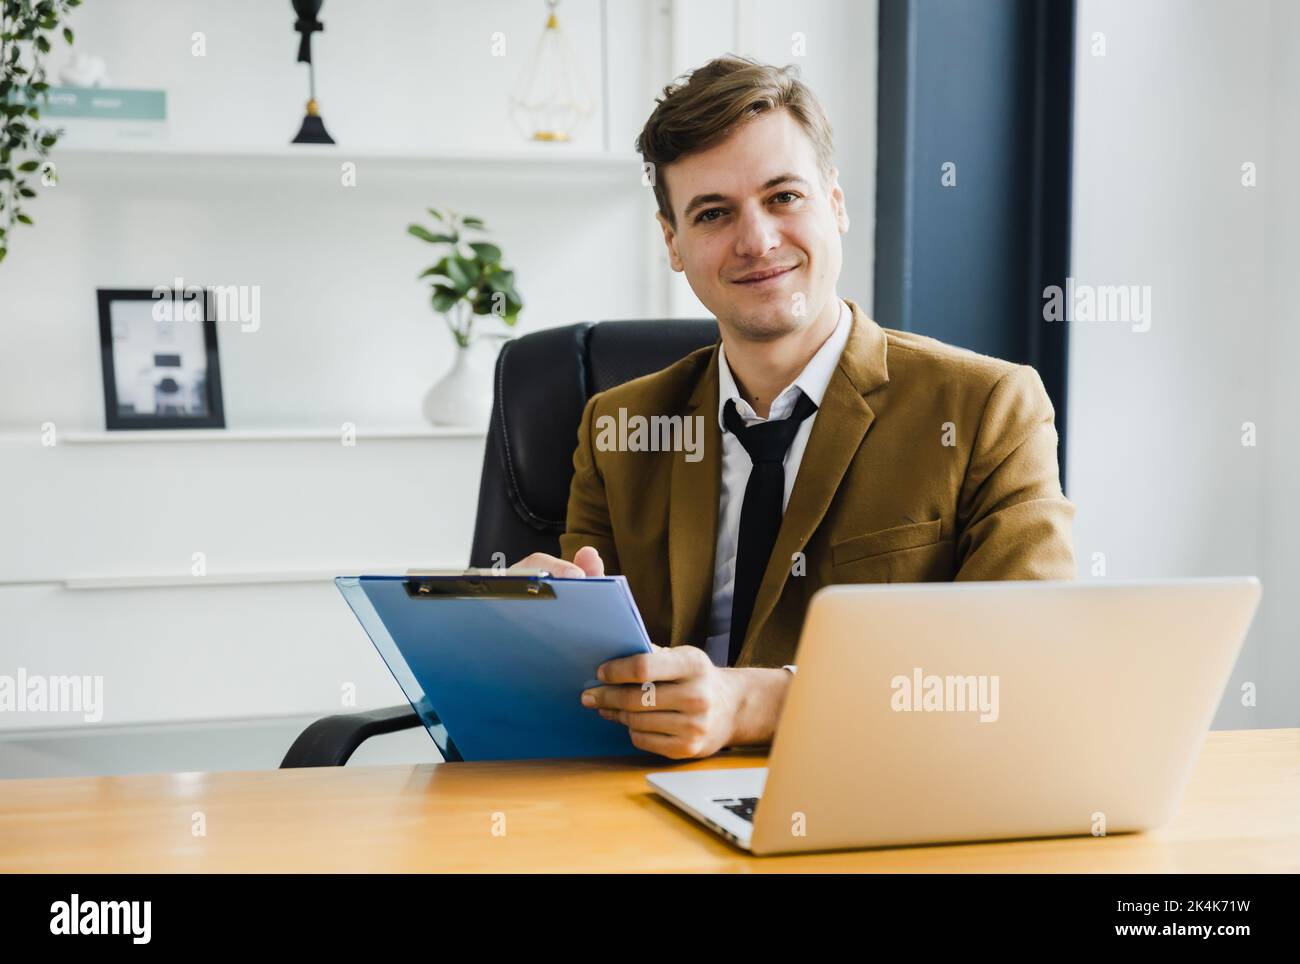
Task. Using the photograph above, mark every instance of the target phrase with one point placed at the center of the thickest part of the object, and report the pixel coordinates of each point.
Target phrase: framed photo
(159, 352)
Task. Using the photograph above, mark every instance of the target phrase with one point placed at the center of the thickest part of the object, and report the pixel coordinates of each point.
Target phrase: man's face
(754, 204)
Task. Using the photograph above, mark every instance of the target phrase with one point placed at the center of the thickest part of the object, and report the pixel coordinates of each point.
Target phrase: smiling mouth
(766, 277)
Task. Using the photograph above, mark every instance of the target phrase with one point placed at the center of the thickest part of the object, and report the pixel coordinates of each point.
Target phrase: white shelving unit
(101, 530)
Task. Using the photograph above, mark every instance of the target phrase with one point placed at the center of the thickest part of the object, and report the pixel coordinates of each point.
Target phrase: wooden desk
(1241, 813)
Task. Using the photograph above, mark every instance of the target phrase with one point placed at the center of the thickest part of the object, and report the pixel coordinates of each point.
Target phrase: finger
(552, 564)
(677, 662)
(656, 721)
(634, 698)
(588, 560)
(669, 746)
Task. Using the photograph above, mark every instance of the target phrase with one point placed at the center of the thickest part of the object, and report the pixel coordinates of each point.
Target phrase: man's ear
(837, 201)
(670, 239)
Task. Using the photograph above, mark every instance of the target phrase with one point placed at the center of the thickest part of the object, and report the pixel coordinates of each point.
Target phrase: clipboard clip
(482, 572)
(478, 584)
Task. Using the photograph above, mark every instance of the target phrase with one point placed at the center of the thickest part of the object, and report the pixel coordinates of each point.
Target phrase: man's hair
(703, 107)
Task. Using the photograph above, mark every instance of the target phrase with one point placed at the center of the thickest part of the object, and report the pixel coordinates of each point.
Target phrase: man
(834, 451)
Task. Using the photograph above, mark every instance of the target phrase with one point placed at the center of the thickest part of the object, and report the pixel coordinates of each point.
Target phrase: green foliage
(25, 26)
(468, 280)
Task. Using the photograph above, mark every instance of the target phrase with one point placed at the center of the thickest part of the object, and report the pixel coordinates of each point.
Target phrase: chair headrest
(543, 382)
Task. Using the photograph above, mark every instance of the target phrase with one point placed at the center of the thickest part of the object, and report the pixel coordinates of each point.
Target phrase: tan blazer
(926, 463)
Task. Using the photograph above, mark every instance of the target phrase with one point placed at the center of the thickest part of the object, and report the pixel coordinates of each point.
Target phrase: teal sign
(105, 103)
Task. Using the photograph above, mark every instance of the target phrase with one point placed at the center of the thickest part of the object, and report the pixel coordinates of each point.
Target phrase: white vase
(463, 396)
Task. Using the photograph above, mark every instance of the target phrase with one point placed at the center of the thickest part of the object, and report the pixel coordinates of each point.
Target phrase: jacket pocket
(911, 536)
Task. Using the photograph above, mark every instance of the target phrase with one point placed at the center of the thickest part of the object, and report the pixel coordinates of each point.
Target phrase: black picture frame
(115, 418)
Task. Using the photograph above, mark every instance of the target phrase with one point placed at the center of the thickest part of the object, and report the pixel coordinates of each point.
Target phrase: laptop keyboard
(742, 807)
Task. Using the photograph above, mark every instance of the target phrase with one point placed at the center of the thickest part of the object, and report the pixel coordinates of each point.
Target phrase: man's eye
(704, 217)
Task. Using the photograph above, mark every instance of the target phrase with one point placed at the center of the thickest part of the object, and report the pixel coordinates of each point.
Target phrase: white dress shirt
(736, 465)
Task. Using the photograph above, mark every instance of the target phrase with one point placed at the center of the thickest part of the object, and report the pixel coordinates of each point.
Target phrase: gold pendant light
(550, 102)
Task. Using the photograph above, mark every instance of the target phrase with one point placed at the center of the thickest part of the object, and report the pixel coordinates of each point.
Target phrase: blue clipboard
(494, 664)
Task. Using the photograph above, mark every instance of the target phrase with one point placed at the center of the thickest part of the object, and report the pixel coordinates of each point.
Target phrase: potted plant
(467, 282)
(25, 26)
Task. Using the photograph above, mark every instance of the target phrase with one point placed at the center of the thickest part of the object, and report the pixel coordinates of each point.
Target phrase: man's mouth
(768, 276)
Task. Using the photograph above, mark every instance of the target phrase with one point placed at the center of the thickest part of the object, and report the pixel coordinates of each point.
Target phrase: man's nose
(756, 232)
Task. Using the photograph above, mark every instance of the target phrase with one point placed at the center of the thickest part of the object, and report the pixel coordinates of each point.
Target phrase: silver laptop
(947, 712)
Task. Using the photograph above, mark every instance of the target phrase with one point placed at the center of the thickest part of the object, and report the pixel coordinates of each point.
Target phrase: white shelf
(158, 581)
(241, 578)
(145, 164)
(558, 154)
(416, 432)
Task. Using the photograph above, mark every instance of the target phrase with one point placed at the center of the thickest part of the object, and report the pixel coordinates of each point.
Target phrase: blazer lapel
(693, 518)
(841, 424)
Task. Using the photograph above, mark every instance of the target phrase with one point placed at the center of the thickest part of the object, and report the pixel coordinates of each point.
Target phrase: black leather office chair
(543, 382)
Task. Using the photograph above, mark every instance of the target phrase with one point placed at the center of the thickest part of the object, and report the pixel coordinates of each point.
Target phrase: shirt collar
(812, 381)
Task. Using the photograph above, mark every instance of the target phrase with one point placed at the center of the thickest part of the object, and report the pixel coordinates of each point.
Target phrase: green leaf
(42, 45)
(440, 267)
(67, 34)
(24, 219)
(26, 192)
(437, 214)
(462, 273)
(486, 251)
(424, 234)
(471, 222)
(501, 280)
(28, 166)
(443, 298)
(3, 252)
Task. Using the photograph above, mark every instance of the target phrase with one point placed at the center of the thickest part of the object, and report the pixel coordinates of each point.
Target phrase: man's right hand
(586, 562)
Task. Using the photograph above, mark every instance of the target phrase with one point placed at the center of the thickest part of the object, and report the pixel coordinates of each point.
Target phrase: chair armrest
(330, 741)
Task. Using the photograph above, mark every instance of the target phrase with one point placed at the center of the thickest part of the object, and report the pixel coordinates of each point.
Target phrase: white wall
(97, 538)
(1277, 352)
(1186, 92)
(834, 47)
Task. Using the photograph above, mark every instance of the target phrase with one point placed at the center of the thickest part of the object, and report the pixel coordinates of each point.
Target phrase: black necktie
(760, 513)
